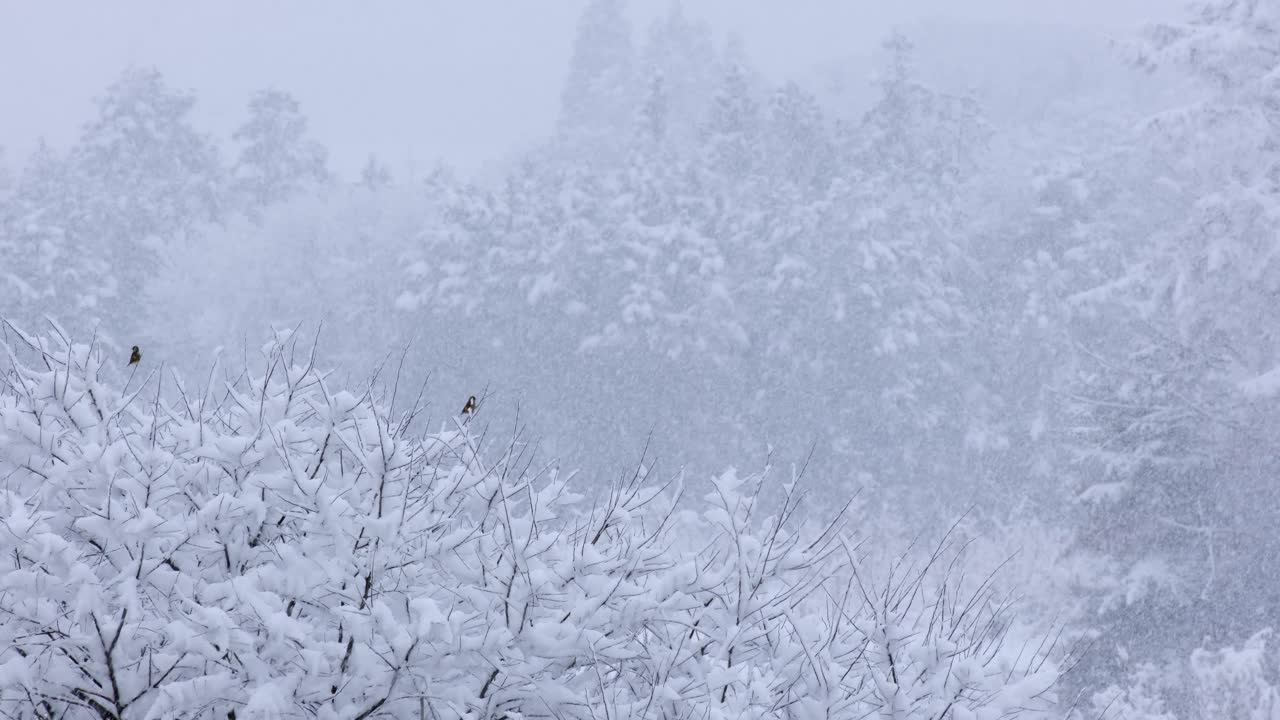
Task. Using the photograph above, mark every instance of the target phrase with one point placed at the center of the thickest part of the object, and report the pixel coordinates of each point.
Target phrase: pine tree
(733, 133)
(141, 180)
(600, 92)
(6, 176)
(799, 146)
(48, 267)
(375, 175)
(682, 52)
(277, 160)
(1172, 412)
(147, 172)
(896, 261)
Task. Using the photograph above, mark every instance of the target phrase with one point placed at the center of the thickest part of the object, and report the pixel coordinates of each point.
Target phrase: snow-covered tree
(49, 268)
(6, 175)
(732, 133)
(892, 267)
(277, 159)
(1172, 408)
(682, 52)
(799, 140)
(338, 243)
(139, 178)
(601, 87)
(149, 174)
(375, 175)
(270, 545)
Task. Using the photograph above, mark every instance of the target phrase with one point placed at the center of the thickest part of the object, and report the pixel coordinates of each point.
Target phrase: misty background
(999, 263)
(469, 84)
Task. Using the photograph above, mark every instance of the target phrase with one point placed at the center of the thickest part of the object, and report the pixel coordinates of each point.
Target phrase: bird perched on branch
(135, 356)
(470, 407)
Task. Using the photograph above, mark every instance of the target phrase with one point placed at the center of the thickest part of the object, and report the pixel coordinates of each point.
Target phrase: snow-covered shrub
(1237, 682)
(1143, 696)
(271, 546)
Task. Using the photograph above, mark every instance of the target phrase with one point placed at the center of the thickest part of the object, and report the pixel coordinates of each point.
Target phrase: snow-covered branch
(270, 546)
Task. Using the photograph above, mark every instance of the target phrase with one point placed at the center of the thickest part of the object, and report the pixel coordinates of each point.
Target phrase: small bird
(135, 356)
(470, 407)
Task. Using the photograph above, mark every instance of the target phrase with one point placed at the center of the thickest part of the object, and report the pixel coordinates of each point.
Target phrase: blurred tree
(46, 267)
(682, 52)
(799, 142)
(277, 160)
(375, 175)
(732, 134)
(140, 178)
(1173, 408)
(895, 278)
(600, 91)
(6, 176)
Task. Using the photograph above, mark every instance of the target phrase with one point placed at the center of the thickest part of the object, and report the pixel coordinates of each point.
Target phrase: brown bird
(470, 407)
(135, 356)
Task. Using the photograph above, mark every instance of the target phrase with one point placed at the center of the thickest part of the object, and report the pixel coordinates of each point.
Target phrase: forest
(876, 392)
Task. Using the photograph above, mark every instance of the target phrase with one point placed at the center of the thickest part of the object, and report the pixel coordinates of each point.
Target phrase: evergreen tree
(895, 265)
(141, 179)
(600, 91)
(6, 177)
(1172, 411)
(48, 267)
(375, 175)
(146, 171)
(733, 134)
(799, 145)
(682, 52)
(277, 160)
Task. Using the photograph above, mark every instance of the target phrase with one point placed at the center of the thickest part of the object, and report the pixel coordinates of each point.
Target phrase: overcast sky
(416, 81)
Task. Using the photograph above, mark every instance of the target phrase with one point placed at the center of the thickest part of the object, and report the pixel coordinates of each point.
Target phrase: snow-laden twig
(288, 550)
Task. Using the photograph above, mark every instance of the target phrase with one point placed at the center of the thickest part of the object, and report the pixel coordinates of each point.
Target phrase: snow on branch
(271, 546)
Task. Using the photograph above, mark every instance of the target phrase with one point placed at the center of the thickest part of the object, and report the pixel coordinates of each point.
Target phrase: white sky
(414, 81)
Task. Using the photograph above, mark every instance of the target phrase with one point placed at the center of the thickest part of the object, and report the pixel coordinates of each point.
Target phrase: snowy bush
(1142, 698)
(271, 546)
(1236, 682)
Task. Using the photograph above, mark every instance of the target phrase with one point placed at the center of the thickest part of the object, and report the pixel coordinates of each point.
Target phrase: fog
(466, 83)
(606, 357)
